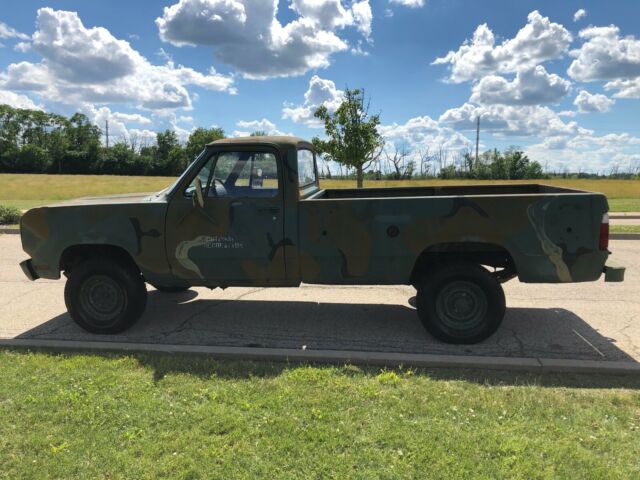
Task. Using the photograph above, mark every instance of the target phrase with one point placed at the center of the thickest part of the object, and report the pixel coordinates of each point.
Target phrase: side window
(306, 168)
(239, 175)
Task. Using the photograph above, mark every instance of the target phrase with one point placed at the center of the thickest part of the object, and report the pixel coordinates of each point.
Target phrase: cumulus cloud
(508, 120)
(16, 100)
(122, 126)
(409, 3)
(530, 87)
(587, 102)
(249, 127)
(424, 133)
(580, 14)
(586, 152)
(247, 35)
(320, 92)
(81, 65)
(625, 88)
(8, 32)
(605, 55)
(539, 40)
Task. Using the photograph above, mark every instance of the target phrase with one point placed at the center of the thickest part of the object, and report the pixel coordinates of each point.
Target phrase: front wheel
(461, 303)
(105, 296)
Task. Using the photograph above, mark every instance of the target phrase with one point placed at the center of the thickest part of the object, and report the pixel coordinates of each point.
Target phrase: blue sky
(563, 85)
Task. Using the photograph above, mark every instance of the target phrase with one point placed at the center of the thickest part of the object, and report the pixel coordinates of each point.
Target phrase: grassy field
(81, 416)
(27, 191)
(625, 228)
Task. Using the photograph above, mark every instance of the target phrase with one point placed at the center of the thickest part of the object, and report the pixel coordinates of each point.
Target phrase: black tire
(460, 303)
(170, 289)
(104, 295)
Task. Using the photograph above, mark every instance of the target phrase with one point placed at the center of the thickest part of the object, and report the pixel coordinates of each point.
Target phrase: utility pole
(107, 131)
(477, 137)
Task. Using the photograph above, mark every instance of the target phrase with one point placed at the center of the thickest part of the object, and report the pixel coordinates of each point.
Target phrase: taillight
(604, 233)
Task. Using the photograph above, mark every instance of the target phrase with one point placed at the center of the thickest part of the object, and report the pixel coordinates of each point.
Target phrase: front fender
(138, 229)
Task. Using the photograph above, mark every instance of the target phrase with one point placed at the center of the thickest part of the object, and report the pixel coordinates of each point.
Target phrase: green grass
(625, 228)
(624, 204)
(82, 416)
(26, 190)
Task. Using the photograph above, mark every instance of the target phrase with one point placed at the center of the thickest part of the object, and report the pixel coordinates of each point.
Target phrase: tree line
(33, 141)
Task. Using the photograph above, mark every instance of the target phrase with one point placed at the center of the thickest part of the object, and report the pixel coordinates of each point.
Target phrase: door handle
(236, 204)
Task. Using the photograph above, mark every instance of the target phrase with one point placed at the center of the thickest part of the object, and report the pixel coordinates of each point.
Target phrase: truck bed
(377, 235)
(442, 191)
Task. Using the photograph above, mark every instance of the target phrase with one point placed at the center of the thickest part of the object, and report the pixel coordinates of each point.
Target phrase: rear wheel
(105, 296)
(460, 303)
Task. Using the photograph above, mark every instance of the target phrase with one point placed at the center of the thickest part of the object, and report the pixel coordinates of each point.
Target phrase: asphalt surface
(590, 321)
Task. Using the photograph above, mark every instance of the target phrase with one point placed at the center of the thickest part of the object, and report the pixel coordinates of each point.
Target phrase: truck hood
(110, 199)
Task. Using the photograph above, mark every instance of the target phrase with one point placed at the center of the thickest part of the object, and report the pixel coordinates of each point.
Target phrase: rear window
(306, 168)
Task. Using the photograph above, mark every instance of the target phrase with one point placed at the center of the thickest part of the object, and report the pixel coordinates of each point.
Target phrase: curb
(624, 236)
(622, 216)
(9, 231)
(382, 359)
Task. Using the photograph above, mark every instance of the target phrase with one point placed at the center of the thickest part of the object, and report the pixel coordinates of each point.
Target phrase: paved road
(594, 321)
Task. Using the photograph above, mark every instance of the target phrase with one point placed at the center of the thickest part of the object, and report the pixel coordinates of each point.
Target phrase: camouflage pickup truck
(250, 211)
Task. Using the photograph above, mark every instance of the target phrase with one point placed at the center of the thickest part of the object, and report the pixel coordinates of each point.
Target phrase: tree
(166, 142)
(398, 159)
(199, 138)
(258, 133)
(353, 138)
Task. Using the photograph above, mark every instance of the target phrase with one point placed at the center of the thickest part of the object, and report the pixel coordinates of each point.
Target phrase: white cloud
(530, 87)
(81, 65)
(320, 92)
(605, 55)
(17, 101)
(248, 127)
(8, 32)
(527, 120)
(539, 40)
(586, 152)
(424, 132)
(363, 17)
(132, 118)
(625, 88)
(247, 35)
(587, 102)
(409, 3)
(580, 14)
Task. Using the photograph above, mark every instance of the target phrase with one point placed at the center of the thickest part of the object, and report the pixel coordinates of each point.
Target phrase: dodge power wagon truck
(250, 211)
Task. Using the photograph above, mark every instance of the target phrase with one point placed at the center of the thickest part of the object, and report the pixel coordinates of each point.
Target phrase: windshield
(174, 185)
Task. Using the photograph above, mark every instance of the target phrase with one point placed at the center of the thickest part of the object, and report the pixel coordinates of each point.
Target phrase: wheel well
(473, 252)
(76, 254)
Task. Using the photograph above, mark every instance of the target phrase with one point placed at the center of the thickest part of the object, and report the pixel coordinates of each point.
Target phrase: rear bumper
(28, 270)
(613, 274)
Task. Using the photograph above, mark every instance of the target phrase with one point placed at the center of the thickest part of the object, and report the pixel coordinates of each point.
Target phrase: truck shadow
(185, 319)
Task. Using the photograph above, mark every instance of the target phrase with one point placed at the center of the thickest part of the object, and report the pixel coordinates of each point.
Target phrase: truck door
(235, 237)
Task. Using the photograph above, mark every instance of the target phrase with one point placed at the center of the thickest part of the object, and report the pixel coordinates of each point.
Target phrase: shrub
(9, 215)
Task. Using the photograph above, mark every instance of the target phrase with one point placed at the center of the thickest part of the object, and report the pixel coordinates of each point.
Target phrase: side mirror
(198, 197)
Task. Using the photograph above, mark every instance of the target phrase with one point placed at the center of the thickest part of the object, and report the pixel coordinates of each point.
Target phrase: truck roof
(282, 142)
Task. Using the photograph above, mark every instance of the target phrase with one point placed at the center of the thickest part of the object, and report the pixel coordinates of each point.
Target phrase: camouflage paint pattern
(373, 236)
